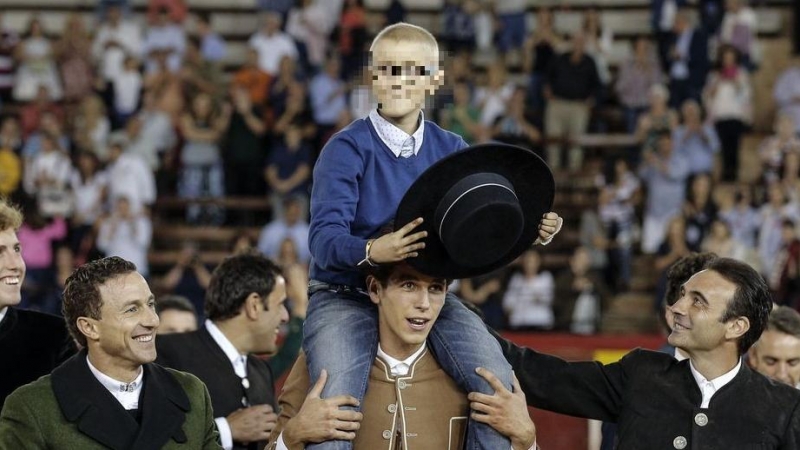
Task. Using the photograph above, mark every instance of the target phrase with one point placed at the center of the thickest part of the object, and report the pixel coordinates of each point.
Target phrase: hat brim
(529, 175)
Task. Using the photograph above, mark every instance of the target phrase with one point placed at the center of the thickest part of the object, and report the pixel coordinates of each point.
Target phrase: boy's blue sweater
(358, 184)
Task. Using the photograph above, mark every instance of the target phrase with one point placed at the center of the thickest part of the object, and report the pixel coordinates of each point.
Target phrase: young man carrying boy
(360, 178)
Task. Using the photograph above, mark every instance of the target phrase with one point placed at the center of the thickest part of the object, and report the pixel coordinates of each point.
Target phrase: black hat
(481, 208)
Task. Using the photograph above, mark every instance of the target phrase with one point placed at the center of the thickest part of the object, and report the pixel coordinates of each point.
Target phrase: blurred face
(10, 128)
(640, 47)
(270, 320)
(176, 321)
(719, 230)
(402, 77)
(530, 262)
(12, 268)
(665, 145)
(701, 186)
(125, 334)
(696, 325)
(114, 14)
(777, 355)
(580, 261)
(123, 206)
(461, 94)
(728, 58)
(691, 113)
(408, 306)
(785, 127)
(202, 105)
(787, 233)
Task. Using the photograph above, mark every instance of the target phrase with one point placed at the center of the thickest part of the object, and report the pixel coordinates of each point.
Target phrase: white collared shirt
(396, 139)
(397, 367)
(127, 394)
(709, 388)
(3, 313)
(239, 363)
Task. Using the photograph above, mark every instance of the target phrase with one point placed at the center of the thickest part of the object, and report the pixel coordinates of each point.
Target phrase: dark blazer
(70, 409)
(655, 401)
(32, 344)
(698, 63)
(198, 354)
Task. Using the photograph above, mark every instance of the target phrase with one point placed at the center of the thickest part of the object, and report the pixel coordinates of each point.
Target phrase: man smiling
(110, 395)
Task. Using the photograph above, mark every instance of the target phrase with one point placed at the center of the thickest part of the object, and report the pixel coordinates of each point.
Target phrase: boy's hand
(399, 245)
(548, 228)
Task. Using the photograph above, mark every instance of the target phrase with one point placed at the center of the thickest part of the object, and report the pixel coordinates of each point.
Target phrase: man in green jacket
(110, 394)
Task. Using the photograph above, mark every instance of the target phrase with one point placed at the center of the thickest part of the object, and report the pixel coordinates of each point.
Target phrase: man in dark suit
(110, 394)
(709, 401)
(31, 343)
(245, 307)
(689, 63)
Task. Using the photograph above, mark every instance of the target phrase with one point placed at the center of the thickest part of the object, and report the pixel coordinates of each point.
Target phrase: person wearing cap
(359, 179)
(410, 402)
(709, 401)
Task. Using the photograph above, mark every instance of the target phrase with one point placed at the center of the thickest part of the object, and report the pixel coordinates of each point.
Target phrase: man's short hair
(784, 320)
(681, 271)
(407, 32)
(235, 279)
(174, 302)
(751, 299)
(82, 291)
(10, 216)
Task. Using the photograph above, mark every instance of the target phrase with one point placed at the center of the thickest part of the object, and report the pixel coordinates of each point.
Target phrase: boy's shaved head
(406, 32)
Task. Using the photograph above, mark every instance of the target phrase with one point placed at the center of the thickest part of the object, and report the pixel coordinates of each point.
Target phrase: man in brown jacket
(410, 402)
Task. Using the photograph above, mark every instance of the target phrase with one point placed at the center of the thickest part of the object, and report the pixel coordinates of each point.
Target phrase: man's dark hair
(204, 17)
(82, 291)
(680, 272)
(235, 279)
(784, 320)
(174, 302)
(751, 298)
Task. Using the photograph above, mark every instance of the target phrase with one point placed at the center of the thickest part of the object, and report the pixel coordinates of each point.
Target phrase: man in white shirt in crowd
(776, 354)
(272, 44)
(164, 36)
(129, 176)
(116, 39)
(126, 234)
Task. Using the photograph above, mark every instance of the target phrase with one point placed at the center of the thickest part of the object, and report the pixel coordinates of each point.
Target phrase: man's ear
(374, 289)
(737, 327)
(252, 306)
(88, 327)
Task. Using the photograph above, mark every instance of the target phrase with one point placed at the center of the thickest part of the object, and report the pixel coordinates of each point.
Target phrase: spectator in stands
(251, 77)
(31, 342)
(711, 12)
(787, 92)
(720, 241)
(699, 209)
(570, 89)
(688, 61)
(538, 51)
(593, 234)
(672, 249)
(89, 186)
(201, 173)
(37, 66)
(493, 96)
(462, 116)
(294, 111)
(739, 30)
(129, 177)
(157, 134)
(635, 81)
(618, 217)
(127, 234)
(166, 86)
(784, 281)
(662, 15)
(47, 178)
(11, 134)
(281, 7)
(599, 45)
(528, 298)
(310, 25)
(580, 294)
(772, 214)
(664, 173)
(64, 266)
(696, 141)
(200, 75)
(189, 278)
(742, 218)
(327, 93)
(245, 150)
(176, 10)
(776, 354)
(352, 37)
(8, 44)
(513, 126)
(91, 127)
(212, 47)
(37, 237)
(116, 39)
(486, 293)
(288, 82)
(288, 170)
(245, 305)
(272, 44)
(360, 99)
(167, 37)
(128, 85)
(49, 125)
(293, 225)
(773, 150)
(10, 171)
(74, 54)
(729, 101)
(139, 144)
(512, 27)
(32, 113)
(457, 24)
(176, 314)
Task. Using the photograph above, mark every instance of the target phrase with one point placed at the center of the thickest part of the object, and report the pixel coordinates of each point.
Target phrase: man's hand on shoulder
(252, 424)
(504, 411)
(321, 420)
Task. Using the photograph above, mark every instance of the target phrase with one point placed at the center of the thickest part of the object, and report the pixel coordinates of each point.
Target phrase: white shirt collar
(394, 137)
(238, 360)
(3, 313)
(397, 367)
(710, 387)
(127, 394)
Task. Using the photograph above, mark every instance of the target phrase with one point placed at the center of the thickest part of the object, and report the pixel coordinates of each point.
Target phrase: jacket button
(392, 408)
(679, 442)
(401, 384)
(387, 434)
(701, 419)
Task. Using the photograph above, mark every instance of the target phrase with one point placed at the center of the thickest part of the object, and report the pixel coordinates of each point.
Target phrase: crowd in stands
(97, 123)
